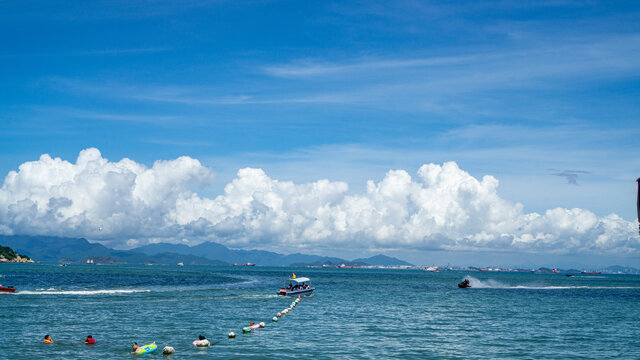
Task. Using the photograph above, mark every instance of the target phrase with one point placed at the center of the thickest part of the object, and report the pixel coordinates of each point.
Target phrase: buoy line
(253, 326)
(170, 350)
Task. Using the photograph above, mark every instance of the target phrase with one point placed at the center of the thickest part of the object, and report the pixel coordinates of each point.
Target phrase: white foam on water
(260, 296)
(493, 284)
(570, 287)
(486, 284)
(83, 292)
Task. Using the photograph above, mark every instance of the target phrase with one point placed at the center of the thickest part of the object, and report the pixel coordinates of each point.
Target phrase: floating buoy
(275, 318)
(278, 314)
(168, 350)
(201, 343)
(232, 335)
(261, 324)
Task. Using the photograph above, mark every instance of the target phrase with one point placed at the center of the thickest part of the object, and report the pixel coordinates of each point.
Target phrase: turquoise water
(354, 313)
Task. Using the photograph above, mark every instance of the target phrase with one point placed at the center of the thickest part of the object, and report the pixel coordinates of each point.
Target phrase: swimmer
(135, 347)
(90, 340)
(201, 342)
(47, 339)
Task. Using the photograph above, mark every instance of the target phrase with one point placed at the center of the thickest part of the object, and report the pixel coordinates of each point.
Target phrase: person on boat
(90, 340)
(135, 347)
(47, 339)
(202, 341)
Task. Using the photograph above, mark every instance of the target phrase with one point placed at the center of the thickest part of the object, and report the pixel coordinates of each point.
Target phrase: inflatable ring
(201, 343)
(147, 348)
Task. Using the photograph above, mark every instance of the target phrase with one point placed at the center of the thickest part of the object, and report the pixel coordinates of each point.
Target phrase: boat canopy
(300, 280)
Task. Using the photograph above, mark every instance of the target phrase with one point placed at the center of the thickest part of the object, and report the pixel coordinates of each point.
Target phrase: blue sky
(541, 95)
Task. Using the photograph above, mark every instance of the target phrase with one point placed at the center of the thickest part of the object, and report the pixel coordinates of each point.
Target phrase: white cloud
(441, 207)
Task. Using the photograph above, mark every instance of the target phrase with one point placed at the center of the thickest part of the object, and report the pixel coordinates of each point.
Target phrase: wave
(486, 284)
(273, 296)
(82, 292)
(493, 284)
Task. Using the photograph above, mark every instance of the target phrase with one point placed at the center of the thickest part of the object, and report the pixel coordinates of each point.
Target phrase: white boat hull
(301, 292)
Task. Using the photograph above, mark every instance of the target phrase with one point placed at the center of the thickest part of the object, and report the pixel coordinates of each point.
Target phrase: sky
(465, 132)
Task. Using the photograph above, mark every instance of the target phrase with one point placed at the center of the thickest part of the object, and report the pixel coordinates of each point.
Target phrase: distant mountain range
(49, 249)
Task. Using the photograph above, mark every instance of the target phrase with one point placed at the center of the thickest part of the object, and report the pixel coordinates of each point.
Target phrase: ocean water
(353, 314)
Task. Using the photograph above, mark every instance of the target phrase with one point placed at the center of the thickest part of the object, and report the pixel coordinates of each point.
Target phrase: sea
(352, 314)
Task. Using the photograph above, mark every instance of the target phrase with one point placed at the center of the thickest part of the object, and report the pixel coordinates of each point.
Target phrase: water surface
(354, 313)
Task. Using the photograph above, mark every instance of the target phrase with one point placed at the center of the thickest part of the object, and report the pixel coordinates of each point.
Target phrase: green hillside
(9, 254)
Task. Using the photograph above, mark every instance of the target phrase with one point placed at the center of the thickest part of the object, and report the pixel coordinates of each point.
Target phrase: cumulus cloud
(441, 207)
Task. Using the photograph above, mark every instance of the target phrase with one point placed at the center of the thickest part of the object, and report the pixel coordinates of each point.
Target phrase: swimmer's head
(201, 337)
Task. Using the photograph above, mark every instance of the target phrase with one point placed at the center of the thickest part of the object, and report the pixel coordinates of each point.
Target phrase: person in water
(90, 340)
(135, 347)
(47, 339)
(202, 341)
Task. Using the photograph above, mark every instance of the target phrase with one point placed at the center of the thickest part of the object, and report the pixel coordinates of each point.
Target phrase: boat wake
(486, 284)
(82, 292)
(493, 284)
(269, 296)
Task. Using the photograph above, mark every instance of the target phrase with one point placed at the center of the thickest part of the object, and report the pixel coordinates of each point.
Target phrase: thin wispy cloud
(74, 113)
(312, 68)
(431, 84)
(185, 143)
(96, 52)
(571, 175)
(614, 54)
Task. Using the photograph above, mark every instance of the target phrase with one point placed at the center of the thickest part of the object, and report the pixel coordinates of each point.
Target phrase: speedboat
(9, 289)
(296, 286)
(464, 284)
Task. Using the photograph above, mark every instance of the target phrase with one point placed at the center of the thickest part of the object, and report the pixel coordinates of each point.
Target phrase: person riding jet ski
(464, 284)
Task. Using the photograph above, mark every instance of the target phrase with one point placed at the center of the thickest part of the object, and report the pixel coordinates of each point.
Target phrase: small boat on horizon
(590, 272)
(296, 286)
(180, 263)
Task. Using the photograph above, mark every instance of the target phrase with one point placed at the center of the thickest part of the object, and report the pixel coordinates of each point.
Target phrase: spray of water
(493, 284)
(485, 284)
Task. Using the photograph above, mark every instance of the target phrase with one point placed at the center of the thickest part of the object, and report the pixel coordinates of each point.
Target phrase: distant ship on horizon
(247, 264)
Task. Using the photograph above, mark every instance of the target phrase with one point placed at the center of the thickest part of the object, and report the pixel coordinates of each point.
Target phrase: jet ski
(464, 284)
